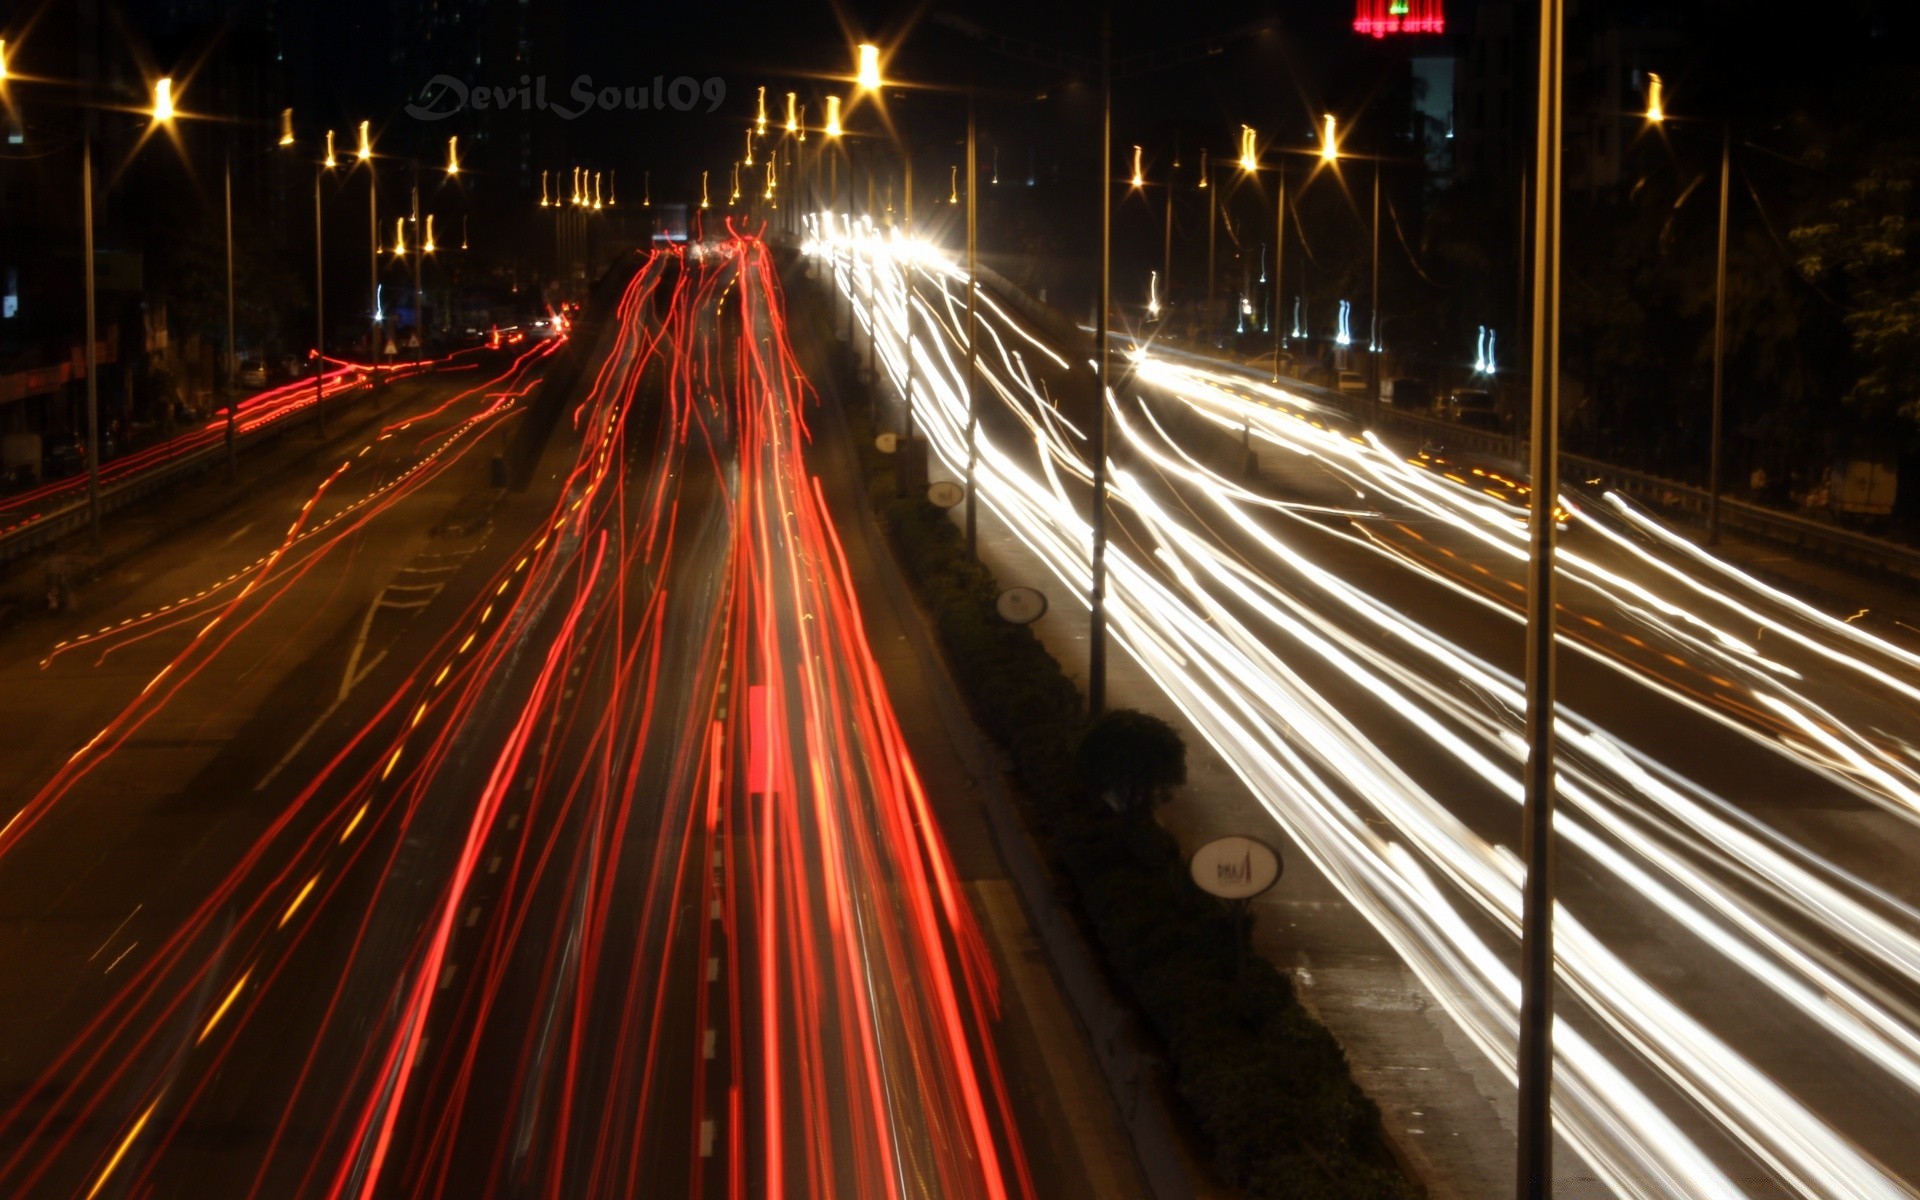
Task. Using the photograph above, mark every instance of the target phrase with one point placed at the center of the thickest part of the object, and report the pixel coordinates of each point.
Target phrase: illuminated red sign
(1378, 18)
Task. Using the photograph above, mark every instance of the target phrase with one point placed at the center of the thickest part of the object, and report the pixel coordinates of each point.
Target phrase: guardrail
(49, 527)
(1790, 530)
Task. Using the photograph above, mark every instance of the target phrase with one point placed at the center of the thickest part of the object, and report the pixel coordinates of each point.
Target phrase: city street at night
(867, 601)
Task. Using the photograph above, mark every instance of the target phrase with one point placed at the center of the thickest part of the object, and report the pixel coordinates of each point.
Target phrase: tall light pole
(1213, 206)
(1373, 304)
(973, 278)
(1719, 338)
(233, 399)
(1534, 1157)
(93, 364)
(320, 294)
(1656, 115)
(162, 113)
(1097, 593)
(1279, 265)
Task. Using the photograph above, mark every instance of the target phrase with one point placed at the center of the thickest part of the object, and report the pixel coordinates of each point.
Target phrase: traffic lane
(647, 969)
(184, 776)
(1753, 1022)
(235, 787)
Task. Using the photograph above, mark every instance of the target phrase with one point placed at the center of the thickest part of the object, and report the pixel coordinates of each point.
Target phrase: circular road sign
(1021, 605)
(887, 442)
(1235, 867)
(945, 493)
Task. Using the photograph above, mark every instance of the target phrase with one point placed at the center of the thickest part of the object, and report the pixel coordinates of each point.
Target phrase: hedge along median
(1266, 1084)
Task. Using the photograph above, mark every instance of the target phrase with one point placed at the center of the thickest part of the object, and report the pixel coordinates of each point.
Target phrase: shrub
(1266, 1084)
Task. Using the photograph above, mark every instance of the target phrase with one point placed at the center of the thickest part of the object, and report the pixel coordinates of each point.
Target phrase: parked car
(1465, 400)
(253, 373)
(1474, 408)
(1411, 394)
(1351, 382)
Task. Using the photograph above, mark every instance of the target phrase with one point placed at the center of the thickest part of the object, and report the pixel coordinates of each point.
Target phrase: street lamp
(320, 294)
(453, 156)
(867, 74)
(1657, 115)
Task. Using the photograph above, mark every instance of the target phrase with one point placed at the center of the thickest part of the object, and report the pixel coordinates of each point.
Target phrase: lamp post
(162, 113)
(973, 285)
(233, 400)
(93, 365)
(320, 294)
(1097, 593)
(1533, 1160)
(1657, 115)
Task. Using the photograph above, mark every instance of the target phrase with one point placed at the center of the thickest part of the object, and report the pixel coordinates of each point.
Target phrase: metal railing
(38, 532)
(1814, 538)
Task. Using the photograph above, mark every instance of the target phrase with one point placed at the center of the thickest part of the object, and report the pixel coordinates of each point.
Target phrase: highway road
(1340, 618)
(608, 872)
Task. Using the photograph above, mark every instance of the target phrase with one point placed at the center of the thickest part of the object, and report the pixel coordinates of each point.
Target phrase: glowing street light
(596, 191)
(1203, 168)
(544, 202)
(953, 185)
(759, 122)
(163, 101)
(399, 236)
(833, 116)
(1656, 106)
(366, 143)
(428, 247)
(286, 127)
(703, 190)
(748, 161)
(793, 121)
(646, 189)
(868, 74)
(613, 185)
(3, 60)
(733, 197)
(1249, 155)
(1139, 180)
(331, 162)
(1329, 144)
(453, 156)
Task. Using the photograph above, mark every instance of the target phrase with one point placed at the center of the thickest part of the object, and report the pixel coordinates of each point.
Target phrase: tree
(1132, 760)
(1865, 248)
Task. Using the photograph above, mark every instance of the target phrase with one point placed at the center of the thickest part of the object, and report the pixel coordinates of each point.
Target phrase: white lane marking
(713, 969)
(116, 932)
(493, 864)
(708, 1048)
(446, 977)
(473, 914)
(706, 1139)
(311, 730)
(359, 647)
(716, 910)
